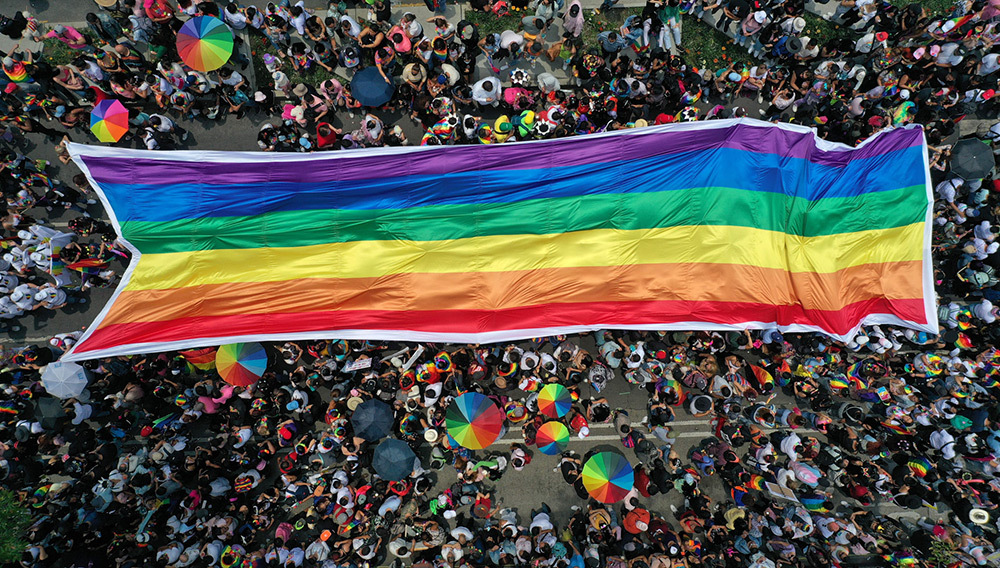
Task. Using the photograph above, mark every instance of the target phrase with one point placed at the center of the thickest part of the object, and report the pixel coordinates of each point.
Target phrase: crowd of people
(882, 450)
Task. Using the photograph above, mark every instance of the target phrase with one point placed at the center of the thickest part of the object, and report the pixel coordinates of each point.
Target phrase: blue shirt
(604, 38)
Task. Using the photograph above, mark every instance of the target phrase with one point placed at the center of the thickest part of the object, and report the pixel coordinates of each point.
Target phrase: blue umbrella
(372, 420)
(370, 89)
(393, 460)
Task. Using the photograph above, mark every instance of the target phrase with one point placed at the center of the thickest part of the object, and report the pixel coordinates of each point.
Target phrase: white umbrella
(65, 380)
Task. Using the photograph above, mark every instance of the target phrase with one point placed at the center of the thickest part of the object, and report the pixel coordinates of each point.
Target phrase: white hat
(979, 516)
(904, 94)
(760, 16)
(431, 435)
(17, 296)
(641, 525)
(41, 295)
(584, 432)
(798, 24)
(37, 257)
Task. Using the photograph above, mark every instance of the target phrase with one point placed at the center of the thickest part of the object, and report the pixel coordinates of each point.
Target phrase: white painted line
(26, 340)
(604, 438)
(654, 439)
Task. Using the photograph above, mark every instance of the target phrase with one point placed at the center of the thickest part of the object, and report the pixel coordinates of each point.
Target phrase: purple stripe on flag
(551, 153)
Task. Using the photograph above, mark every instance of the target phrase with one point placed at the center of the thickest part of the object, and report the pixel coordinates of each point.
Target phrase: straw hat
(106, 3)
(353, 402)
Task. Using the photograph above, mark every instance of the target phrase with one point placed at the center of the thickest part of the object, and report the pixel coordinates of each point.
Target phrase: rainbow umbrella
(473, 421)
(552, 438)
(554, 400)
(109, 120)
(608, 477)
(241, 364)
(205, 43)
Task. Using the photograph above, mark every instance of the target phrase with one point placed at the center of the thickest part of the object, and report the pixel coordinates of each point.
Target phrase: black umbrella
(393, 460)
(370, 89)
(48, 411)
(372, 420)
(972, 159)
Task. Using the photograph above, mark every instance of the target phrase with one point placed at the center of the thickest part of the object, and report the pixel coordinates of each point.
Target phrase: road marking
(25, 340)
(609, 438)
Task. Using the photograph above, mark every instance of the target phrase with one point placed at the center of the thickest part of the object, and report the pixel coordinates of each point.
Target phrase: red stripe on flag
(597, 314)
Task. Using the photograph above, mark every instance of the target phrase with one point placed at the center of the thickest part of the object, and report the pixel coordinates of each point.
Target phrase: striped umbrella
(554, 400)
(608, 477)
(473, 421)
(241, 364)
(552, 438)
(205, 43)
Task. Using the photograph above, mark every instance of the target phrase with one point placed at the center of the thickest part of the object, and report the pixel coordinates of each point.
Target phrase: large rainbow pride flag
(718, 225)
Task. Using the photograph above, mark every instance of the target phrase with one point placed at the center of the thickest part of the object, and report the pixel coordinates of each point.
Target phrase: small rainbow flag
(203, 359)
(963, 342)
(839, 382)
(813, 502)
(764, 379)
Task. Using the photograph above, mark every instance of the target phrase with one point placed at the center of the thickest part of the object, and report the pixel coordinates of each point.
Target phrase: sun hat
(300, 90)
(431, 435)
(979, 516)
(353, 402)
(798, 24)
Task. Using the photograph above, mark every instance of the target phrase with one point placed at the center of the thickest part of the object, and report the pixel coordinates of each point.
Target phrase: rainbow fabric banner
(726, 224)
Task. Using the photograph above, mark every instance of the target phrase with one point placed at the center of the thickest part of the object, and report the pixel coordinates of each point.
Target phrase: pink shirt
(70, 37)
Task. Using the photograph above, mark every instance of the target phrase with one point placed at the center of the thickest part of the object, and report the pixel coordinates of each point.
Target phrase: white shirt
(82, 412)
(299, 22)
(947, 55)
(7, 283)
(355, 27)
(27, 300)
(946, 190)
(989, 63)
(414, 29)
(982, 231)
(944, 442)
(541, 521)
(53, 296)
(8, 309)
(984, 311)
(481, 92)
(237, 21)
(509, 38)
